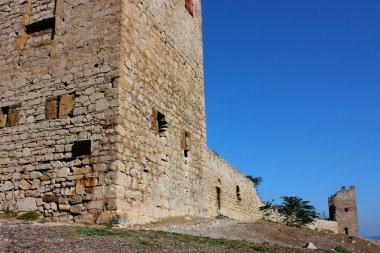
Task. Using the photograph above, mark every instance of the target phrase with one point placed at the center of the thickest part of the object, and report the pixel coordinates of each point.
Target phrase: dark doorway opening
(346, 231)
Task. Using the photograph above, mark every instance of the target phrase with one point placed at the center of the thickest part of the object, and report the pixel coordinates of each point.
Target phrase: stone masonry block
(3, 119)
(51, 108)
(13, 116)
(27, 205)
(66, 105)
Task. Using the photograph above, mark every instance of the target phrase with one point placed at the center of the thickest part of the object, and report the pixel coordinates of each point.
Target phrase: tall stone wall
(231, 193)
(162, 116)
(343, 210)
(57, 64)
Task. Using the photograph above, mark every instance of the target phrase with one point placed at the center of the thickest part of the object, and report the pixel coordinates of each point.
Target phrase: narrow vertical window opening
(186, 143)
(238, 195)
(159, 123)
(218, 197)
(162, 123)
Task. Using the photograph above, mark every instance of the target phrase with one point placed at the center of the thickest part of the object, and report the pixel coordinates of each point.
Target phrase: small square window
(81, 148)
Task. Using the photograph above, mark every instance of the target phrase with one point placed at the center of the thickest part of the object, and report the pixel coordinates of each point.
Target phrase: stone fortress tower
(343, 210)
(102, 114)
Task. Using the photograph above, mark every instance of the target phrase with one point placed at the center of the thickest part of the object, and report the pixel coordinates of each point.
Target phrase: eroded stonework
(103, 114)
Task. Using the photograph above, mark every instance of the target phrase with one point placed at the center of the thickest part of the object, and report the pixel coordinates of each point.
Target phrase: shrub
(341, 249)
(8, 214)
(28, 216)
(269, 209)
(256, 180)
(296, 211)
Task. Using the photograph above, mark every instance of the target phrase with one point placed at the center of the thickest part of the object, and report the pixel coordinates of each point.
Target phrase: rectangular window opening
(41, 25)
(186, 142)
(81, 148)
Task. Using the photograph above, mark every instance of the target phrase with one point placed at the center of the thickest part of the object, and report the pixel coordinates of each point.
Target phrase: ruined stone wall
(231, 193)
(162, 116)
(343, 210)
(57, 64)
(321, 225)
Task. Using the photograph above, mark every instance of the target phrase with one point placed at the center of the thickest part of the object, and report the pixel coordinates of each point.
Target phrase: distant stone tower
(343, 210)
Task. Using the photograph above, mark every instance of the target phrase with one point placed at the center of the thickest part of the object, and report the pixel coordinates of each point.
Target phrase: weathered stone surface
(50, 198)
(51, 108)
(53, 206)
(27, 205)
(66, 105)
(3, 118)
(64, 172)
(7, 186)
(13, 117)
(76, 209)
(85, 218)
(24, 185)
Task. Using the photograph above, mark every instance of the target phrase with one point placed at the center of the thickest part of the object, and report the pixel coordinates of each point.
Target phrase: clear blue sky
(293, 96)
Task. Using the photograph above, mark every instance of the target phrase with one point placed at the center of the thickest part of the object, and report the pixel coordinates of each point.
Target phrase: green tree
(256, 180)
(296, 211)
(269, 209)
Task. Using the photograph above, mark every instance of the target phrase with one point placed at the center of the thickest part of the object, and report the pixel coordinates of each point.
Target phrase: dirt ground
(265, 232)
(261, 236)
